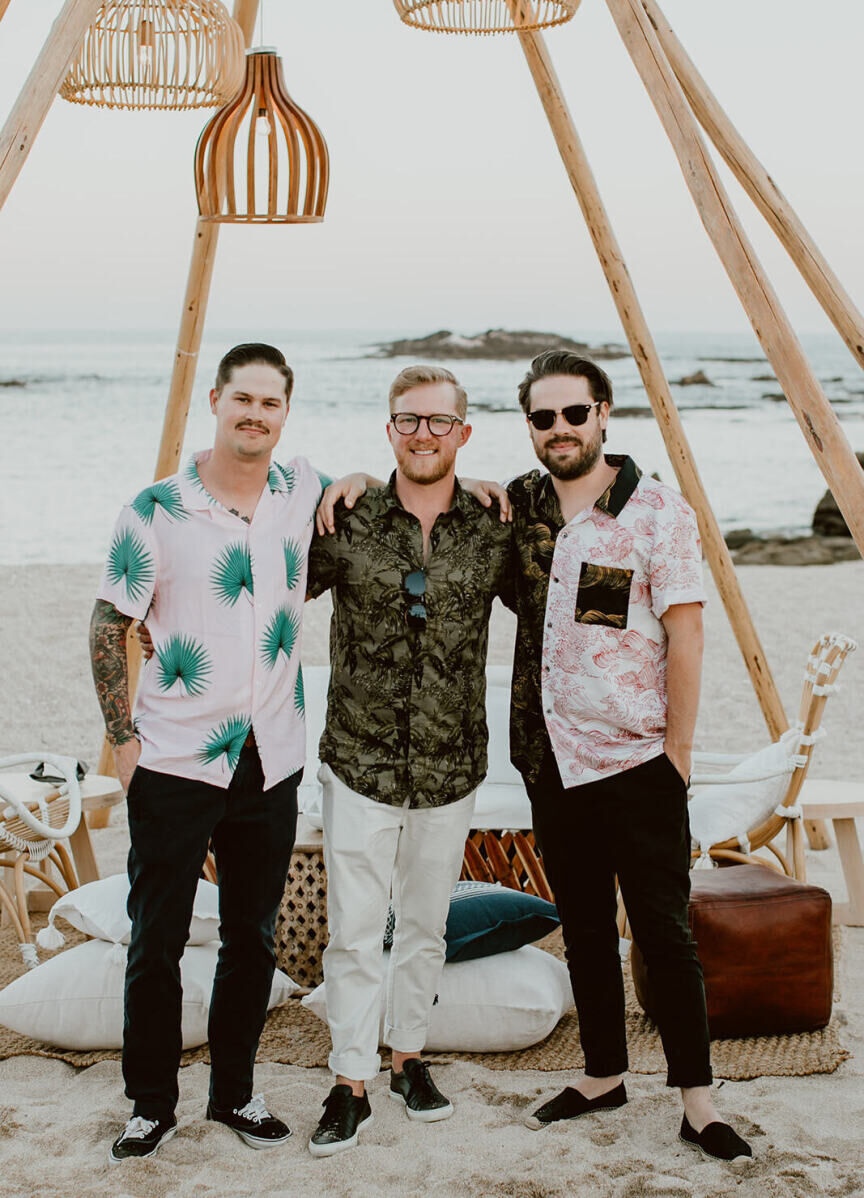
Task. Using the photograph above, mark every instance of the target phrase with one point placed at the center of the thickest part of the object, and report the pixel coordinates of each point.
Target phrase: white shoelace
(255, 1110)
(137, 1128)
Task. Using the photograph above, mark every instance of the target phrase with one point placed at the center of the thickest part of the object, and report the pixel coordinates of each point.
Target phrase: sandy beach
(56, 1122)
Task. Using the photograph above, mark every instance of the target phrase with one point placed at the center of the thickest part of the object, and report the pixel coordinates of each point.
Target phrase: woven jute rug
(294, 1036)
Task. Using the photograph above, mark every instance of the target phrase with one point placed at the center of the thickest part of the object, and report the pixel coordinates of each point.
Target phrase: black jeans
(632, 825)
(171, 822)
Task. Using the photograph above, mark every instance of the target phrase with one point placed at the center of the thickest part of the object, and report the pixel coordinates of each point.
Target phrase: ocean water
(81, 422)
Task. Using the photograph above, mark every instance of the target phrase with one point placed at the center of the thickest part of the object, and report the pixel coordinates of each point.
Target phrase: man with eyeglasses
(413, 567)
(606, 682)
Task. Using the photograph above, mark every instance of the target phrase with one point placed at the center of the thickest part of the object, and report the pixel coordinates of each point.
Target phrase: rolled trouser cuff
(351, 1064)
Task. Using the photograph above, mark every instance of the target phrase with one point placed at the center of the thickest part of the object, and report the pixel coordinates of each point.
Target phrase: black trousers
(632, 825)
(171, 822)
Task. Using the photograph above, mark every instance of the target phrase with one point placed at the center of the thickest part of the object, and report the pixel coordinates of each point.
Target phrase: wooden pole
(820, 426)
(761, 188)
(182, 378)
(653, 377)
(188, 344)
(4, 4)
(40, 88)
(245, 12)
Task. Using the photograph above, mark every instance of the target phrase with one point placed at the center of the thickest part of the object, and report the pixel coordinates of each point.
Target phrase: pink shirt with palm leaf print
(223, 600)
(616, 568)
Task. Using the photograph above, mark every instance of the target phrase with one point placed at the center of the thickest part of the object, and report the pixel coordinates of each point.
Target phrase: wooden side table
(842, 803)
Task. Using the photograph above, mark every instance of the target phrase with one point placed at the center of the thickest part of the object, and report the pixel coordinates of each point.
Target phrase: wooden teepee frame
(683, 102)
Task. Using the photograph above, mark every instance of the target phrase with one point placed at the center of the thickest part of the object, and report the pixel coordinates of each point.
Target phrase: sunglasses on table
(414, 586)
(574, 414)
(439, 425)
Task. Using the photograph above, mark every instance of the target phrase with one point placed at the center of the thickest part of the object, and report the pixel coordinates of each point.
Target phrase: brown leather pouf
(764, 941)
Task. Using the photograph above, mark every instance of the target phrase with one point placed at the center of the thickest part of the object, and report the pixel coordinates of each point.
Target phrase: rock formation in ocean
(502, 344)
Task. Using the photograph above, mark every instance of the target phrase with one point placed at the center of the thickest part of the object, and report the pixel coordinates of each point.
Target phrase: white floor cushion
(75, 1000)
(99, 909)
(492, 1004)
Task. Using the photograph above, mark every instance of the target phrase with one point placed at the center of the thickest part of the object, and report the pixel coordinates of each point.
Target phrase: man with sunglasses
(606, 681)
(413, 567)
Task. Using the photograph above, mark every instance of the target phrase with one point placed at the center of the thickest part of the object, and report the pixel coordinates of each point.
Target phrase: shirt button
(554, 579)
(564, 535)
(548, 623)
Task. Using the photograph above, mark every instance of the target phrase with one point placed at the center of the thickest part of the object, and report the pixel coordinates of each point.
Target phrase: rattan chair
(823, 666)
(30, 841)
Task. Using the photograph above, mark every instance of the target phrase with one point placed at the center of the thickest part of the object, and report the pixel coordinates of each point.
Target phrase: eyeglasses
(414, 585)
(575, 414)
(439, 425)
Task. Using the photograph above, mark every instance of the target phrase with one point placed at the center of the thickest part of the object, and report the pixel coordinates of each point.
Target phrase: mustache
(246, 424)
(563, 441)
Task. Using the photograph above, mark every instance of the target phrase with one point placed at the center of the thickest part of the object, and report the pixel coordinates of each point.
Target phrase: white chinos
(370, 847)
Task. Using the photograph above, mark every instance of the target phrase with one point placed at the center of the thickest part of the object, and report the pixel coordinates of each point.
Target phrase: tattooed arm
(108, 628)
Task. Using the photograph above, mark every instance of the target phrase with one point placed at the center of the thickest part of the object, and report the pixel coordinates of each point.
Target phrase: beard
(584, 457)
(426, 470)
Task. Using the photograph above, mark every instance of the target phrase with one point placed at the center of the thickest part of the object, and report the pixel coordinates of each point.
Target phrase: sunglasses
(414, 586)
(575, 414)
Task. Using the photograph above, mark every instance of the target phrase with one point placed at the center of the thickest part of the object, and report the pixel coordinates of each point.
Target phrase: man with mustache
(606, 682)
(215, 557)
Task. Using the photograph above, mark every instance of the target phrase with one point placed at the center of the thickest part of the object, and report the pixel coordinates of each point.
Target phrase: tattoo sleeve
(108, 628)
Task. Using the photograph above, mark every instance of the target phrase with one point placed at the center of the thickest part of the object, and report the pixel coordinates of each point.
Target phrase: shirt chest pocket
(603, 596)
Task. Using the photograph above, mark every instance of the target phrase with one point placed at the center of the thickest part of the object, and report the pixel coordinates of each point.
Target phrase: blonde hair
(416, 376)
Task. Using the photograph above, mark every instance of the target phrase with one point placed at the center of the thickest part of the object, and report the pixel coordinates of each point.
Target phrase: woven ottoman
(301, 923)
(764, 941)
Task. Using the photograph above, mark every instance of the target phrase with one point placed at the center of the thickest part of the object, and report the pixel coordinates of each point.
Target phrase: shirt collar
(613, 499)
(463, 505)
(615, 496)
(196, 497)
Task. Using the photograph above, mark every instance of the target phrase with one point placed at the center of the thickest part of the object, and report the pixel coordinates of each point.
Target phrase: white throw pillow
(99, 909)
(75, 1000)
(726, 810)
(491, 1004)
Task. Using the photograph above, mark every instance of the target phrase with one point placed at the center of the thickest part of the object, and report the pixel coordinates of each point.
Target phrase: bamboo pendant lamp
(158, 54)
(261, 159)
(484, 16)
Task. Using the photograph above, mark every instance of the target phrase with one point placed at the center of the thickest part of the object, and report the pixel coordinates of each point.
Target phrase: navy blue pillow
(486, 919)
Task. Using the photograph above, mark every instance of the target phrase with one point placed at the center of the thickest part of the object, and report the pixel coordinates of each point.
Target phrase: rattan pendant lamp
(261, 159)
(484, 16)
(170, 54)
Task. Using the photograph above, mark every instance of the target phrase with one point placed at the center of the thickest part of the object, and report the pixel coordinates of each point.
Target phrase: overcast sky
(449, 205)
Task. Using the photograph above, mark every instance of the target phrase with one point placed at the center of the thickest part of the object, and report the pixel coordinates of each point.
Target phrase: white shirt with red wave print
(615, 571)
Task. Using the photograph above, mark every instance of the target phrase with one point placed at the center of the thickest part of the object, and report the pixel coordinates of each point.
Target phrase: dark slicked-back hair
(254, 351)
(563, 361)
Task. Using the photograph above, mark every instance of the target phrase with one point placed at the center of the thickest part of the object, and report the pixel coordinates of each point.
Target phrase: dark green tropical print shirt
(406, 710)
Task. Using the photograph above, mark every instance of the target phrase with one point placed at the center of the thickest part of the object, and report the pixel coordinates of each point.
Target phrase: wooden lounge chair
(35, 819)
(823, 666)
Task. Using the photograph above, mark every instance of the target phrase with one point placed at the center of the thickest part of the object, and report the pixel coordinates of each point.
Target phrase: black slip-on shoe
(718, 1141)
(571, 1103)
(141, 1138)
(253, 1123)
(345, 1116)
(415, 1088)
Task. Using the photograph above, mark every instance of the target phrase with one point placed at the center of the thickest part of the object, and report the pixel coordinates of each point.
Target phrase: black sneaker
(718, 1141)
(339, 1127)
(141, 1137)
(422, 1098)
(253, 1123)
(572, 1103)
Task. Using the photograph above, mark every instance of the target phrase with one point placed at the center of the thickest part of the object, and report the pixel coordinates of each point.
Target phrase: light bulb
(145, 44)
(262, 124)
